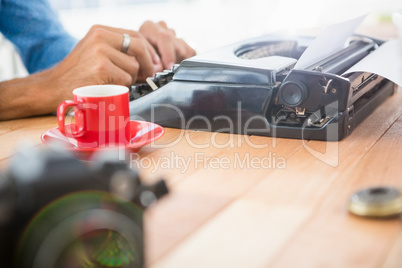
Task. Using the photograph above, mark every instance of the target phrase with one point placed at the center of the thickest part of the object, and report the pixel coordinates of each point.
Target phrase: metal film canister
(379, 202)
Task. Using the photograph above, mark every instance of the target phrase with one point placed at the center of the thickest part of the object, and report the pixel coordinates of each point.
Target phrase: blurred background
(209, 24)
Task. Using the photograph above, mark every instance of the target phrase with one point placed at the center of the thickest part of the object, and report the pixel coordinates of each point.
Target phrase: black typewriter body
(252, 88)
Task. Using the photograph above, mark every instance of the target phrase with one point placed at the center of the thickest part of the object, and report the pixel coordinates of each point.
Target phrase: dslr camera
(58, 211)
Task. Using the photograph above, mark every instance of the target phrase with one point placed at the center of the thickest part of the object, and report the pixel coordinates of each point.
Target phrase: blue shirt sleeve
(36, 31)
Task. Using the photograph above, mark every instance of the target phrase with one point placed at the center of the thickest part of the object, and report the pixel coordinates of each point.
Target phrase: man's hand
(97, 59)
(170, 48)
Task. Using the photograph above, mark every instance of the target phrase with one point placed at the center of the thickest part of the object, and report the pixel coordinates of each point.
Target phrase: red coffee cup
(101, 116)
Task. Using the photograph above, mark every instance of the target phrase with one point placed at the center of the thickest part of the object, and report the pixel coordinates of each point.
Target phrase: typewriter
(252, 88)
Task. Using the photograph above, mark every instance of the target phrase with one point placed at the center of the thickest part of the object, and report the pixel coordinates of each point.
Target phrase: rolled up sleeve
(36, 31)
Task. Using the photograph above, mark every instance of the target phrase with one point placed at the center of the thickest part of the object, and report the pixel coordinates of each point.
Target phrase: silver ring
(126, 43)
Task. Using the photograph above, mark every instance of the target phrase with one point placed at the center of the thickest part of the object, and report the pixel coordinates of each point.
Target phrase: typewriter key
(378, 202)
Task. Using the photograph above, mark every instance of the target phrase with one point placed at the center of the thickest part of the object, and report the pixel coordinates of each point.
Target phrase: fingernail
(170, 65)
(157, 59)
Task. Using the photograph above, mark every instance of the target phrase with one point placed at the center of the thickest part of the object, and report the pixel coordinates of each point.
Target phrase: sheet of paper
(330, 40)
(385, 61)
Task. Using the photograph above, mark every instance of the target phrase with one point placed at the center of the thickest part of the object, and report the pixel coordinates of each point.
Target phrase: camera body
(57, 211)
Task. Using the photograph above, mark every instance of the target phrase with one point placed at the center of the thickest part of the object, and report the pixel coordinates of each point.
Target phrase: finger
(183, 50)
(135, 34)
(154, 55)
(162, 24)
(127, 63)
(158, 67)
(172, 32)
(120, 77)
(139, 46)
(159, 36)
(167, 51)
(106, 72)
(116, 30)
(139, 49)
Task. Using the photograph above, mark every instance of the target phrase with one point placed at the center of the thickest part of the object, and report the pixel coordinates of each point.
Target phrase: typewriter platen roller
(252, 88)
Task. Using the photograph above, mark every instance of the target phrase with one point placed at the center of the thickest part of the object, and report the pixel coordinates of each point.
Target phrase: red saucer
(143, 133)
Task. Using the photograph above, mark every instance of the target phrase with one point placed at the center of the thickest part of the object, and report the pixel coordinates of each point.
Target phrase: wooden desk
(237, 205)
(261, 202)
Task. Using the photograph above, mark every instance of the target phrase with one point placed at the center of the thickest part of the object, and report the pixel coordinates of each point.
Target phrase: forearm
(30, 96)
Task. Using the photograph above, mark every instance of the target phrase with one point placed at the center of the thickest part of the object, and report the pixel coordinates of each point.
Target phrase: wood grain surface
(250, 201)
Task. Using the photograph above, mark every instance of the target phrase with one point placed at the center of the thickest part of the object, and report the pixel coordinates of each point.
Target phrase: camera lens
(99, 248)
(94, 228)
